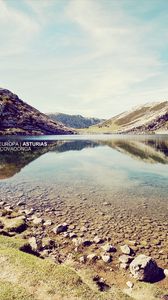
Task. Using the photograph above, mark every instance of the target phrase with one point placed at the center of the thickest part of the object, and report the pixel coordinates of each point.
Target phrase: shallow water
(117, 182)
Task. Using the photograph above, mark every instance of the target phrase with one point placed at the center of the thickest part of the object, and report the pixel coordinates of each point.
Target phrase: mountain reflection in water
(150, 150)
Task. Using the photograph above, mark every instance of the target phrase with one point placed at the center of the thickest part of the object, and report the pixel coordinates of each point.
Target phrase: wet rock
(60, 228)
(144, 268)
(125, 249)
(108, 248)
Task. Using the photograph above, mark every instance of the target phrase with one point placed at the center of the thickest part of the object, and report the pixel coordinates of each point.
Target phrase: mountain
(75, 121)
(19, 118)
(148, 118)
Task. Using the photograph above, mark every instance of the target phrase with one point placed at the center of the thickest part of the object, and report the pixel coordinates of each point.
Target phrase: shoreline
(64, 243)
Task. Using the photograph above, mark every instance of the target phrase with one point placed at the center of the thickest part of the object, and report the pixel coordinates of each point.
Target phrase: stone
(47, 223)
(82, 259)
(20, 203)
(106, 258)
(17, 225)
(165, 272)
(77, 242)
(72, 235)
(108, 248)
(33, 243)
(125, 249)
(130, 284)
(37, 221)
(92, 257)
(125, 258)
(124, 266)
(86, 243)
(98, 240)
(60, 228)
(144, 268)
(48, 243)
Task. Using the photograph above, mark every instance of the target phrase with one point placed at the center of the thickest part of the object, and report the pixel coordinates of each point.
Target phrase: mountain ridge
(147, 118)
(74, 121)
(19, 118)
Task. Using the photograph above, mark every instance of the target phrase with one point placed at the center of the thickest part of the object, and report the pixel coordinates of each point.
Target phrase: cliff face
(19, 118)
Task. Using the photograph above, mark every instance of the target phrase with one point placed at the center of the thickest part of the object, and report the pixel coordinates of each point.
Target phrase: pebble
(106, 258)
(108, 248)
(125, 249)
(130, 284)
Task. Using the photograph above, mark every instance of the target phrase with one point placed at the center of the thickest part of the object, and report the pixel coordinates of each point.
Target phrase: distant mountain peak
(75, 121)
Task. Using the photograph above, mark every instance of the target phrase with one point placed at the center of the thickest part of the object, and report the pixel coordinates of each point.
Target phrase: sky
(91, 57)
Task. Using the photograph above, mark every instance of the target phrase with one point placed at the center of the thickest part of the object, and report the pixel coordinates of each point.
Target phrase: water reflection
(151, 150)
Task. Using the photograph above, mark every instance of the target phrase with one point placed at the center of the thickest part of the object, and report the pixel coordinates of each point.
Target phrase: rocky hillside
(149, 118)
(75, 121)
(19, 118)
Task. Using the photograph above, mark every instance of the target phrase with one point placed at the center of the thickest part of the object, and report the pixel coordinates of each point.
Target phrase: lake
(119, 184)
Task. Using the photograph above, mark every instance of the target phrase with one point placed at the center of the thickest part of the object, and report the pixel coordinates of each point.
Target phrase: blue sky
(90, 57)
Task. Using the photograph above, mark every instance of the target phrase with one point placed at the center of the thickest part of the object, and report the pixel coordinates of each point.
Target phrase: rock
(98, 240)
(92, 257)
(108, 248)
(125, 249)
(125, 259)
(37, 221)
(86, 243)
(20, 203)
(29, 212)
(72, 235)
(33, 243)
(130, 284)
(47, 223)
(165, 272)
(82, 259)
(17, 225)
(48, 243)
(124, 266)
(77, 242)
(106, 258)
(60, 228)
(83, 229)
(144, 268)
(164, 297)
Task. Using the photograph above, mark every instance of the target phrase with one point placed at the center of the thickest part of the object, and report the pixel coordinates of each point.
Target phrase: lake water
(108, 179)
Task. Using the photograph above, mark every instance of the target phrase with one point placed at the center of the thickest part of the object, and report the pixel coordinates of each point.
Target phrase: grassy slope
(26, 277)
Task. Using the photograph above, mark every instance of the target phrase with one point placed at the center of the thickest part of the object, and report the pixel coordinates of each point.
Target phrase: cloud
(17, 29)
(94, 57)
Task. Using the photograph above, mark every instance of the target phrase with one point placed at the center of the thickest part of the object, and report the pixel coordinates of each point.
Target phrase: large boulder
(144, 268)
